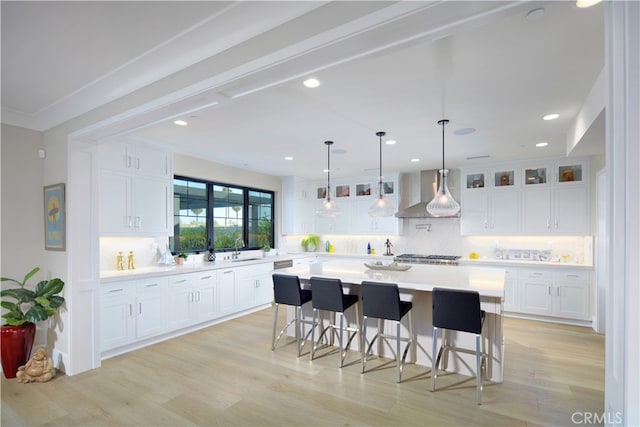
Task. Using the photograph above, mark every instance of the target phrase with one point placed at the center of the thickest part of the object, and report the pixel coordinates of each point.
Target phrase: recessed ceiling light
(391, 142)
(586, 3)
(180, 122)
(542, 144)
(288, 158)
(551, 116)
(415, 160)
(311, 83)
(464, 131)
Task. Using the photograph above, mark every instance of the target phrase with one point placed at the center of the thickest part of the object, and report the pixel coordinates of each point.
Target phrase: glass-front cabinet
(547, 196)
(536, 176)
(489, 203)
(568, 173)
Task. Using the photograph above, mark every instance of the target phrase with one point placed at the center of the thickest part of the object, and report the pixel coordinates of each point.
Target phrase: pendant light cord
(328, 144)
(380, 134)
(443, 122)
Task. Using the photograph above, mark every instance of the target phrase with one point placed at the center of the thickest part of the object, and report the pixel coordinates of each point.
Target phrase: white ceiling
(234, 71)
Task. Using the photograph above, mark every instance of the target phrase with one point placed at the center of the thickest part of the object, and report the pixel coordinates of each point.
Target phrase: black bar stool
(458, 310)
(287, 290)
(382, 301)
(328, 295)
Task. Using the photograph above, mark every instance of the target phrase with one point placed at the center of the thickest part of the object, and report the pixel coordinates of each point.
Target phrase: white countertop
(188, 267)
(488, 281)
(520, 263)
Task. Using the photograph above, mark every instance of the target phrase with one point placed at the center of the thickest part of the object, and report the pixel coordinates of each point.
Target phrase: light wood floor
(227, 375)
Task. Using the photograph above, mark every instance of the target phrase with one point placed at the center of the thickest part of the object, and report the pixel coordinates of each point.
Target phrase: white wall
(23, 172)
(22, 201)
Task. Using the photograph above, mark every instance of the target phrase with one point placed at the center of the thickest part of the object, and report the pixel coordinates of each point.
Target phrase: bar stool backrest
(381, 300)
(457, 310)
(287, 290)
(327, 294)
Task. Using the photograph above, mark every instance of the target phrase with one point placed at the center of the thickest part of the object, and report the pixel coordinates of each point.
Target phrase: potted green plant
(24, 308)
(181, 258)
(310, 243)
(266, 248)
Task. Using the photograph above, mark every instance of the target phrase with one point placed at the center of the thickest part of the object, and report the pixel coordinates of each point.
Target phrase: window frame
(210, 211)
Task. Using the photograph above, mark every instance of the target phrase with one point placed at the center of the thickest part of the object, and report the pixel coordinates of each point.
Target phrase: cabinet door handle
(139, 308)
(256, 283)
(137, 162)
(536, 274)
(548, 223)
(556, 224)
(558, 291)
(128, 162)
(228, 271)
(198, 294)
(153, 285)
(572, 275)
(127, 221)
(181, 281)
(130, 310)
(549, 291)
(138, 222)
(205, 277)
(116, 290)
(486, 225)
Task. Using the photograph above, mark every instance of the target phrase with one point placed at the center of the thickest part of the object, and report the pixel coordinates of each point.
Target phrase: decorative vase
(16, 347)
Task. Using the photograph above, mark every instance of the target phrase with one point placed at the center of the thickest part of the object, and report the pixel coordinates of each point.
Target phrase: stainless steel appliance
(427, 259)
(285, 263)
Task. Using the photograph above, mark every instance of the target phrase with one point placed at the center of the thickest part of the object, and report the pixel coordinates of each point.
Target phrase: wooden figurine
(39, 369)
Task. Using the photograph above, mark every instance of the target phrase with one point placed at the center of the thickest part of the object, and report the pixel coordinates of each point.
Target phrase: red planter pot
(16, 347)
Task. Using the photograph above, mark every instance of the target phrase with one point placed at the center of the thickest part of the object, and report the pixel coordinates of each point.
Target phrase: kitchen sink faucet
(238, 243)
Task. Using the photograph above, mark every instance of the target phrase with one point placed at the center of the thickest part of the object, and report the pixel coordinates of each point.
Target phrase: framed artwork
(54, 218)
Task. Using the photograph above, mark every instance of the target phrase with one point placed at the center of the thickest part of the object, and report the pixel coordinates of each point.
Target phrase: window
(210, 215)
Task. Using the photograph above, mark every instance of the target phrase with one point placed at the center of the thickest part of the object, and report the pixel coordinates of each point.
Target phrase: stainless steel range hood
(429, 182)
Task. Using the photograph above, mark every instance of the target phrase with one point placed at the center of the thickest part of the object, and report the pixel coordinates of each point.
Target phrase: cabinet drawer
(204, 277)
(536, 274)
(153, 284)
(511, 273)
(574, 275)
(181, 280)
(116, 289)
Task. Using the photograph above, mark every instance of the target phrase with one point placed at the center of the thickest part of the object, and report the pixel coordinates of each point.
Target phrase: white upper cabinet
(549, 196)
(490, 201)
(353, 196)
(136, 190)
(556, 197)
(297, 206)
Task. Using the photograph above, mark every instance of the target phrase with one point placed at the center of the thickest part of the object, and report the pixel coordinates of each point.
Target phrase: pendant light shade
(328, 208)
(381, 206)
(443, 204)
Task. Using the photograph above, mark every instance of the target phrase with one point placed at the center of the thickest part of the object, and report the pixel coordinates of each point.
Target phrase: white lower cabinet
(254, 286)
(227, 291)
(131, 310)
(191, 299)
(511, 290)
(564, 294)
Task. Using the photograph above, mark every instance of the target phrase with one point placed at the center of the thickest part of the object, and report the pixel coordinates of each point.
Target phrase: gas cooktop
(427, 259)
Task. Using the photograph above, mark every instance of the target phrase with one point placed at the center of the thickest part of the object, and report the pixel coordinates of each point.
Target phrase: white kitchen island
(416, 285)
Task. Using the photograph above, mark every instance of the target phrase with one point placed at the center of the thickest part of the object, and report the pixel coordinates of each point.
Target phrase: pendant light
(381, 206)
(443, 204)
(328, 209)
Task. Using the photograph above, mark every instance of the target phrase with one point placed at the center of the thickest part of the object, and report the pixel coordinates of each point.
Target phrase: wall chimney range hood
(429, 182)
